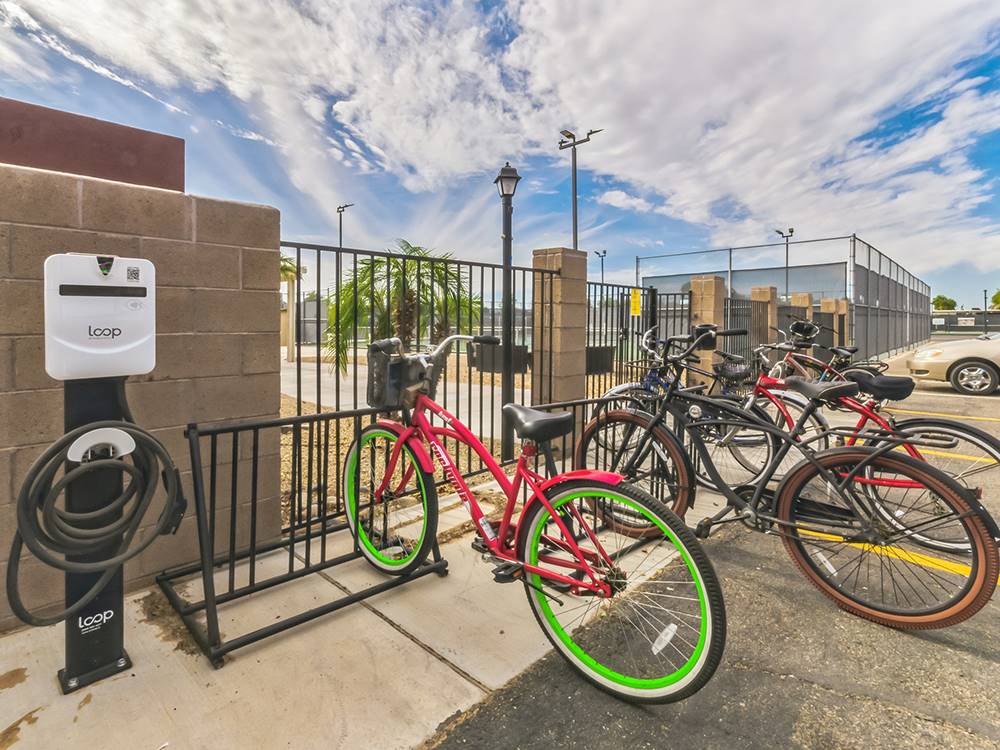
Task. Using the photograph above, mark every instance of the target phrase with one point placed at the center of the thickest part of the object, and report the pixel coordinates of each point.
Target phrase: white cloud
(738, 117)
(621, 199)
(743, 116)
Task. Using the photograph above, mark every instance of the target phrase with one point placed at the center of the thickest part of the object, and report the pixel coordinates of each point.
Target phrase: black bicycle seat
(539, 426)
(844, 351)
(883, 386)
(821, 390)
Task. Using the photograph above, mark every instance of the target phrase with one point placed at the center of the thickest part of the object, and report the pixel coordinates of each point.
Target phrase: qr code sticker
(132, 273)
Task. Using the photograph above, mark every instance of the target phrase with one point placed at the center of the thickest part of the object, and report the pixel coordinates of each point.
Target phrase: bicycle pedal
(704, 528)
(479, 545)
(507, 573)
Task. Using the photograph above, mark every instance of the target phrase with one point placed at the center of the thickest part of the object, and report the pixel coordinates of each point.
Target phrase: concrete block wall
(217, 336)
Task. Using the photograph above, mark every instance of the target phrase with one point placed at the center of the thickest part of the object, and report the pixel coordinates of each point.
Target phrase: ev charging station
(100, 326)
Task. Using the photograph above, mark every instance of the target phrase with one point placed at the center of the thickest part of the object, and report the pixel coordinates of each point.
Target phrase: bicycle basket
(393, 380)
(733, 373)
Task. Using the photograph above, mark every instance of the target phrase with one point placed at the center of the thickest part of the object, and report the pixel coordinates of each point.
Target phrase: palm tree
(389, 296)
(289, 274)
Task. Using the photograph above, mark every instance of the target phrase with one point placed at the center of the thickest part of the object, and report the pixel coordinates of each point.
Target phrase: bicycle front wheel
(840, 539)
(393, 516)
(658, 633)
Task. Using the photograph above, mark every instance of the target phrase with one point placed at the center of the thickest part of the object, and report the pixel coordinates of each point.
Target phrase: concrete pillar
(708, 305)
(804, 299)
(767, 294)
(559, 352)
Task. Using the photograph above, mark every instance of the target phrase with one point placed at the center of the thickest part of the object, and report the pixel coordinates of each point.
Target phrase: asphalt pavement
(797, 671)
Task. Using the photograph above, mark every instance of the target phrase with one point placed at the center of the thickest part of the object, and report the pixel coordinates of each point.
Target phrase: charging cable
(52, 533)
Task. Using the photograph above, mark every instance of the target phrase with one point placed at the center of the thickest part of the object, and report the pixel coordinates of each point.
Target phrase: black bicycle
(829, 508)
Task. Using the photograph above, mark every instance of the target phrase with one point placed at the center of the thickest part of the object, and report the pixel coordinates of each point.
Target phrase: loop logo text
(103, 333)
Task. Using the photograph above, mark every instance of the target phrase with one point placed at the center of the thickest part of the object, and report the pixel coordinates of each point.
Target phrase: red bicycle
(640, 618)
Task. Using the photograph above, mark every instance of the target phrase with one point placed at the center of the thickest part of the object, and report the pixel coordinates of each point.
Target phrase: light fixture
(506, 181)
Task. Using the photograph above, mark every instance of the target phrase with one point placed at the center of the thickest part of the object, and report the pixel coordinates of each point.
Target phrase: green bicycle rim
(349, 481)
(583, 656)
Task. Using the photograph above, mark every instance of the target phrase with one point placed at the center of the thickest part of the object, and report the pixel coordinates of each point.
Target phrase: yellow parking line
(939, 414)
(962, 456)
(889, 551)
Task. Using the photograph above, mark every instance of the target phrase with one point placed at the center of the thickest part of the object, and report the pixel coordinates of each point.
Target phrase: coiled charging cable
(52, 533)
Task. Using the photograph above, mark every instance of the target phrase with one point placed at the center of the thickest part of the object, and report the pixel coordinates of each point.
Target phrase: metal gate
(750, 315)
(617, 317)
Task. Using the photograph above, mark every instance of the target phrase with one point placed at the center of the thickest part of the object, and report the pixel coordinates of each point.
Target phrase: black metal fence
(617, 317)
(752, 316)
(348, 297)
(965, 322)
(891, 308)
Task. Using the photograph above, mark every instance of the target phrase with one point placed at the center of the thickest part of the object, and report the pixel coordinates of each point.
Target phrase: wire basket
(393, 379)
(733, 375)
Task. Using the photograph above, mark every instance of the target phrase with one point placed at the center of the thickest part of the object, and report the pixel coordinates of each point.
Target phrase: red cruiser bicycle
(640, 618)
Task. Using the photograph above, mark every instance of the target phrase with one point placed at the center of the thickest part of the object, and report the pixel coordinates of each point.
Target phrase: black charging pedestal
(94, 636)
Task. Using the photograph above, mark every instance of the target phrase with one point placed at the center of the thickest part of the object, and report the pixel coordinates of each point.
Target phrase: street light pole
(506, 182)
(340, 221)
(570, 141)
(602, 254)
(986, 312)
(787, 236)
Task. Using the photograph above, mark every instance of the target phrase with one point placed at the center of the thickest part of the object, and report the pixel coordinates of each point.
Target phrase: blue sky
(722, 121)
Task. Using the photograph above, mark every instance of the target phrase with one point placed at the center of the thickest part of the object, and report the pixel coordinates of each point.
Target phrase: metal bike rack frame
(305, 543)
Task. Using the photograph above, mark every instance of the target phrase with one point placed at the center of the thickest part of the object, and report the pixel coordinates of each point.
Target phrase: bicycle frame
(766, 385)
(418, 431)
(752, 508)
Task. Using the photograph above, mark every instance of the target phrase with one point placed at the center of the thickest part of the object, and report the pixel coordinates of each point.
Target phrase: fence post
(708, 305)
(768, 294)
(559, 352)
(804, 299)
(651, 310)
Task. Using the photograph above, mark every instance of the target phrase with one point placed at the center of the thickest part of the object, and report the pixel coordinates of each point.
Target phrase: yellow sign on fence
(637, 302)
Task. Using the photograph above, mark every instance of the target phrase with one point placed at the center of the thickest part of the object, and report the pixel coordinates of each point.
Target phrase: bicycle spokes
(867, 540)
(649, 623)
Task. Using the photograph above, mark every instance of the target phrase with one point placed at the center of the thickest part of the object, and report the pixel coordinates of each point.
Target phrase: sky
(721, 121)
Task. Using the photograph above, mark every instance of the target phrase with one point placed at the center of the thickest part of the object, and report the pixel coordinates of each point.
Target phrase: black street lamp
(787, 236)
(569, 140)
(602, 254)
(506, 182)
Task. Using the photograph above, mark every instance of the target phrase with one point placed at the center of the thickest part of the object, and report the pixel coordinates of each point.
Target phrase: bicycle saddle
(821, 390)
(539, 426)
(883, 386)
(844, 351)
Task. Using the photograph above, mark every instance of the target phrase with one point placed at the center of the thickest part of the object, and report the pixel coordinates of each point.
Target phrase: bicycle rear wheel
(876, 570)
(658, 633)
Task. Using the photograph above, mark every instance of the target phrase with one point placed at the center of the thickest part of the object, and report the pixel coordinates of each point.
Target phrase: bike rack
(246, 456)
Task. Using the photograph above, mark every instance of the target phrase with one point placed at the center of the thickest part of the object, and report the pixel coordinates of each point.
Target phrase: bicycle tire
(382, 552)
(665, 445)
(937, 458)
(580, 649)
(982, 569)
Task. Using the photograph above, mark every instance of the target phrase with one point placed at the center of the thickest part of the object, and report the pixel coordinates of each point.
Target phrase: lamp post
(986, 311)
(340, 222)
(787, 236)
(506, 182)
(602, 254)
(569, 140)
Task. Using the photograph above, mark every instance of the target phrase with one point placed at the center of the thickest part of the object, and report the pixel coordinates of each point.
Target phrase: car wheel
(974, 378)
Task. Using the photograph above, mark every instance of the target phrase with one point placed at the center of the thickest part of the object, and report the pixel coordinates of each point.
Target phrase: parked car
(972, 366)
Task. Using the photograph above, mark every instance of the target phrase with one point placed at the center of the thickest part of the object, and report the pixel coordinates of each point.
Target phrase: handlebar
(394, 345)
